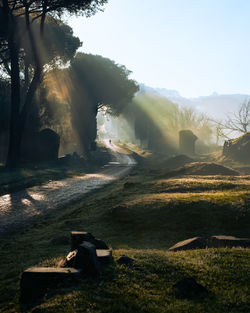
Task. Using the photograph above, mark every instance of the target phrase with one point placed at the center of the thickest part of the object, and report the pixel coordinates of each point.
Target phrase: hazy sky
(193, 46)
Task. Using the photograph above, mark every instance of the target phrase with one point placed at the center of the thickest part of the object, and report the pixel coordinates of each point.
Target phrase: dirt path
(19, 207)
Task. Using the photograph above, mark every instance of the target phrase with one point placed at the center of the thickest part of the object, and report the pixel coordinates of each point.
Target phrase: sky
(196, 47)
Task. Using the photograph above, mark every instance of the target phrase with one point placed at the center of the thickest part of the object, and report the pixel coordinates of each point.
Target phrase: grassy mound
(238, 149)
(205, 168)
(141, 216)
(178, 161)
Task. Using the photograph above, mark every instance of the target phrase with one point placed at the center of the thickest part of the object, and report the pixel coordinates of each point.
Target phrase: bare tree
(236, 123)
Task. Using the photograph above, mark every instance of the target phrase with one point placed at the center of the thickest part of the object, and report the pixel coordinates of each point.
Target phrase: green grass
(142, 219)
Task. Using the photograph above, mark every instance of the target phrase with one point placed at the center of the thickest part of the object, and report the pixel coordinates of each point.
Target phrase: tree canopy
(107, 83)
(91, 83)
(21, 41)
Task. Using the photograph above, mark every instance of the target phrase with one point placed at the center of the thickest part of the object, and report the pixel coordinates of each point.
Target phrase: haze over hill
(215, 105)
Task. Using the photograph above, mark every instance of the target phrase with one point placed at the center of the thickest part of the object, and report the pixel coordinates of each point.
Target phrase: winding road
(20, 207)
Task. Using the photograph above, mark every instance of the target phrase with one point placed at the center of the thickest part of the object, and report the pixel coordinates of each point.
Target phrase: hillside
(215, 105)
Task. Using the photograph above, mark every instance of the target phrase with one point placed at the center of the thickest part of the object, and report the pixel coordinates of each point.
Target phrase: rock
(61, 240)
(188, 287)
(48, 148)
(125, 260)
(99, 244)
(192, 243)
(88, 260)
(78, 237)
(228, 242)
(36, 280)
(187, 142)
(104, 256)
(70, 259)
(84, 258)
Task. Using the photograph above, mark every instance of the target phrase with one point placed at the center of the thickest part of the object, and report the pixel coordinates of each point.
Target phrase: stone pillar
(187, 142)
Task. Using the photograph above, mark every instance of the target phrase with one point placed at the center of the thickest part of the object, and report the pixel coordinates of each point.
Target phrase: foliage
(107, 83)
(74, 95)
(12, 53)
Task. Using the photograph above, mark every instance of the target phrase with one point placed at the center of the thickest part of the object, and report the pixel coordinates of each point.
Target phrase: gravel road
(20, 207)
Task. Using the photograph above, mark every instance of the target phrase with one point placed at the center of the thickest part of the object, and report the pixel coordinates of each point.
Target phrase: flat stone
(188, 244)
(104, 256)
(228, 242)
(50, 271)
(35, 280)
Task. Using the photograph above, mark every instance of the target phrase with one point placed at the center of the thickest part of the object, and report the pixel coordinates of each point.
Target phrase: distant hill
(216, 105)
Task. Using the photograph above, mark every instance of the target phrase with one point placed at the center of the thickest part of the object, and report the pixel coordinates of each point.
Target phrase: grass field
(141, 216)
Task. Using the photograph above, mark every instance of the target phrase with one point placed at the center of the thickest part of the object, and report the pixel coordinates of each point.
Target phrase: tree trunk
(13, 158)
(19, 116)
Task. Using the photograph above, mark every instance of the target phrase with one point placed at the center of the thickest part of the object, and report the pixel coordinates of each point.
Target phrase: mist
(153, 122)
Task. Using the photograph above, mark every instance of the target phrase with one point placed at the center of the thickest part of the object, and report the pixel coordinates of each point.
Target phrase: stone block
(36, 280)
(104, 256)
(78, 237)
(99, 244)
(74, 258)
(228, 242)
(192, 243)
(87, 259)
(187, 142)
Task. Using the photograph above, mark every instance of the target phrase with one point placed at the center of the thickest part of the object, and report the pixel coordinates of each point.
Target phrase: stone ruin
(48, 145)
(211, 242)
(86, 258)
(88, 254)
(41, 147)
(238, 149)
(187, 142)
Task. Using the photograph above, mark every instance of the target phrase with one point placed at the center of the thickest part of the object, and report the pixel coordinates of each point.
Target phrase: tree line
(38, 90)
